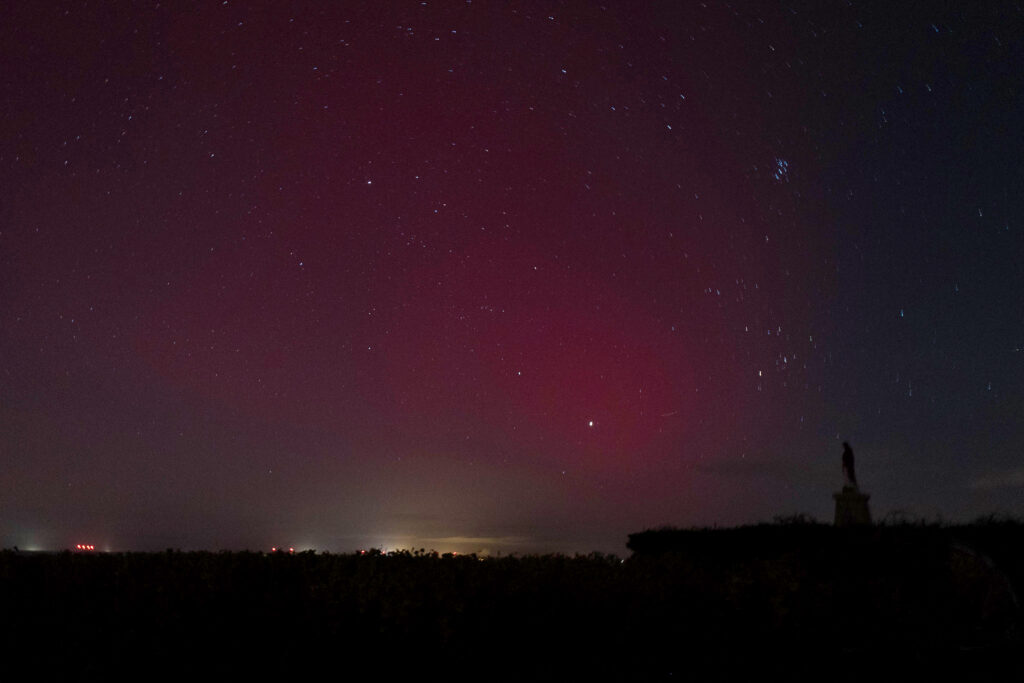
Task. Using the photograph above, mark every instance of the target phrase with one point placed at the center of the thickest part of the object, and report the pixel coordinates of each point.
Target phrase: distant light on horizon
(502, 255)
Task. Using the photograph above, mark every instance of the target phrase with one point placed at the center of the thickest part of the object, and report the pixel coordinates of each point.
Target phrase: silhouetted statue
(851, 505)
(851, 476)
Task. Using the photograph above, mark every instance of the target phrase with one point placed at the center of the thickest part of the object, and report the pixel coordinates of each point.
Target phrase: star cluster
(514, 276)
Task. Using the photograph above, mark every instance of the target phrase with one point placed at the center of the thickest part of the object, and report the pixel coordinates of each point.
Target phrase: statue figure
(851, 505)
(848, 473)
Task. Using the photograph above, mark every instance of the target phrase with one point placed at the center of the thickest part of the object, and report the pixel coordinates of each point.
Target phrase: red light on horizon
(84, 546)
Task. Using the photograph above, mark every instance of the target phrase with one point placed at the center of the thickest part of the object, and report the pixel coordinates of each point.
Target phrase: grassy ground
(799, 600)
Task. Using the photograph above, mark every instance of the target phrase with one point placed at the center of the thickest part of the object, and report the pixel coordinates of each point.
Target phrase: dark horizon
(523, 277)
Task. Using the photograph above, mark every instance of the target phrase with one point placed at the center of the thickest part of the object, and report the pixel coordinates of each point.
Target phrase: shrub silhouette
(791, 598)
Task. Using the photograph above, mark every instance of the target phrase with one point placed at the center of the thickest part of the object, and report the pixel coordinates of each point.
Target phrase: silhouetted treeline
(796, 600)
(924, 595)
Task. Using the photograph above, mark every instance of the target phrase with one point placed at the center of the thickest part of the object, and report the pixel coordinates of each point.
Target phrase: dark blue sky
(504, 277)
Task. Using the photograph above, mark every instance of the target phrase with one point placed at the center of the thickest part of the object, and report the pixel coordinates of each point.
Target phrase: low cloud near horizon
(1007, 479)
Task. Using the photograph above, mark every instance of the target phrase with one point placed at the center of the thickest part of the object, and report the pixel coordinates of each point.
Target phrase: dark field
(795, 600)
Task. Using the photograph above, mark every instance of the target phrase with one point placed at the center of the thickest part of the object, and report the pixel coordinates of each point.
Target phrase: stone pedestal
(852, 507)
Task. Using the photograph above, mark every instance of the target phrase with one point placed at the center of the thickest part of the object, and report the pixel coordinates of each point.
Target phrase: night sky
(504, 276)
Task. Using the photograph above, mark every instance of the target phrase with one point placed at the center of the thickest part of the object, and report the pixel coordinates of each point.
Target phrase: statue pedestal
(852, 507)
